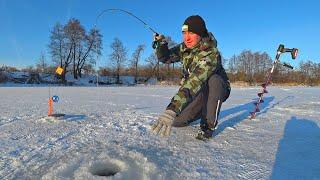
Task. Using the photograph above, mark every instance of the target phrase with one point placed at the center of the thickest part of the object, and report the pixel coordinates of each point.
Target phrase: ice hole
(104, 169)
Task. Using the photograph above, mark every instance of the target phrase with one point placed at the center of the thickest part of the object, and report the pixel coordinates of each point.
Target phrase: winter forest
(77, 49)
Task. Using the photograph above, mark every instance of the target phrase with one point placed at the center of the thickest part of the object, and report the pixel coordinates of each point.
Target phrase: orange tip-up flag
(59, 70)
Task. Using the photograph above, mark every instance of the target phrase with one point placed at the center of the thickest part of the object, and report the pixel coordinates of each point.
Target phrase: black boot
(205, 132)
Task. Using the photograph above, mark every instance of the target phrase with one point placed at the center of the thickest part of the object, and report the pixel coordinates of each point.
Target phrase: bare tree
(91, 48)
(232, 64)
(118, 56)
(171, 44)
(60, 48)
(152, 65)
(317, 71)
(75, 33)
(42, 65)
(85, 45)
(249, 66)
(135, 60)
(70, 44)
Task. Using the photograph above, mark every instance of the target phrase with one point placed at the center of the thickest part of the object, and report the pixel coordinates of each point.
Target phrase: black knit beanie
(196, 25)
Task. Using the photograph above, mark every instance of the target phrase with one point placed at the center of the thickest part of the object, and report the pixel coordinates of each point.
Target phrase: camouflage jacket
(198, 64)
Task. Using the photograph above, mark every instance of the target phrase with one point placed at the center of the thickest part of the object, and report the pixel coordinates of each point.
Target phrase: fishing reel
(281, 50)
(157, 40)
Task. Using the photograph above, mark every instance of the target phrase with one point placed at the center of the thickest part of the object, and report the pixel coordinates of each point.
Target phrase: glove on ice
(164, 123)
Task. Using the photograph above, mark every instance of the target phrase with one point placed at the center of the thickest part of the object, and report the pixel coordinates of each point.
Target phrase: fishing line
(126, 12)
(154, 44)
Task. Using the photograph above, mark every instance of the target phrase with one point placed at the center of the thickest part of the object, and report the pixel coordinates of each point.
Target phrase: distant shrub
(3, 77)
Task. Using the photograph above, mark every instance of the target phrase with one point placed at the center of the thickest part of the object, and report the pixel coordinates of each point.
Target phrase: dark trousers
(206, 105)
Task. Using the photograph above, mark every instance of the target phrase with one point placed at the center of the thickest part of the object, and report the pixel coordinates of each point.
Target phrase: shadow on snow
(244, 111)
(298, 151)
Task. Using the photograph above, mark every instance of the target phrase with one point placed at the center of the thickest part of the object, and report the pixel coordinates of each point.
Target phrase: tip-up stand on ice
(54, 99)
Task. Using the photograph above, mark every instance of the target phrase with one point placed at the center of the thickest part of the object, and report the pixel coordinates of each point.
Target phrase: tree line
(253, 67)
(76, 50)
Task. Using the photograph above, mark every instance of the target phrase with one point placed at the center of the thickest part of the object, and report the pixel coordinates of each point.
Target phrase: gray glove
(164, 123)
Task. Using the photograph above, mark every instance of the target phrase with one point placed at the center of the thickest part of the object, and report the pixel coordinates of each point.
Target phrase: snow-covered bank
(106, 132)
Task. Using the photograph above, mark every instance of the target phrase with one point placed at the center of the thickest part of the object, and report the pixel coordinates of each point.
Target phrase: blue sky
(237, 25)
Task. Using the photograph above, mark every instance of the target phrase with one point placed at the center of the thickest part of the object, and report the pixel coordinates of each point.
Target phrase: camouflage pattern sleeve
(191, 87)
(166, 55)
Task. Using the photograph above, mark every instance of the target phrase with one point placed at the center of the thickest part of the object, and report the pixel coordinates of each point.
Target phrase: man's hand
(164, 123)
(157, 38)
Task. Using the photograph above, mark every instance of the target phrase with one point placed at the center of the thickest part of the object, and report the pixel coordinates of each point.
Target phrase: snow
(19, 79)
(106, 132)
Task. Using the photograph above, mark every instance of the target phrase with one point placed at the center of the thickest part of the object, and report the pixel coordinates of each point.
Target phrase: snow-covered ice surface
(106, 133)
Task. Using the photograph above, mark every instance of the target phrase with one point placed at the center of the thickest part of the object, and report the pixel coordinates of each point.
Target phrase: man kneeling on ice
(204, 85)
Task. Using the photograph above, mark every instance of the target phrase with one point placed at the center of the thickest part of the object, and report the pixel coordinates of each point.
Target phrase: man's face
(190, 39)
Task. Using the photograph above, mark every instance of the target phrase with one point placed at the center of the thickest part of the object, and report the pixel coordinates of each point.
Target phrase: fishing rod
(155, 43)
(126, 12)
